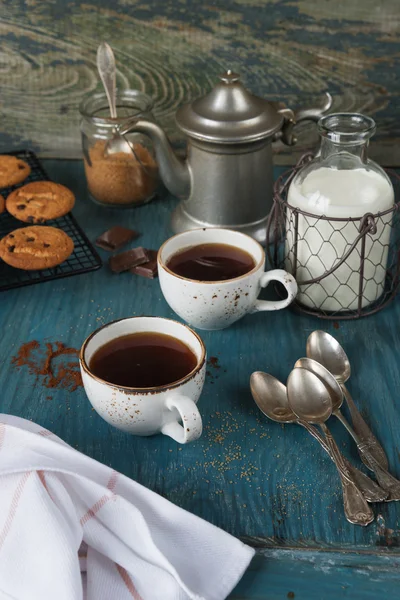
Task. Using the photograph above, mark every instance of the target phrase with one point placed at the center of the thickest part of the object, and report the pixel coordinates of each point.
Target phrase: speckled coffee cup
(168, 409)
(217, 304)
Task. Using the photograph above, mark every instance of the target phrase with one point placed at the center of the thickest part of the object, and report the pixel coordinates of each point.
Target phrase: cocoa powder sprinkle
(56, 364)
(213, 362)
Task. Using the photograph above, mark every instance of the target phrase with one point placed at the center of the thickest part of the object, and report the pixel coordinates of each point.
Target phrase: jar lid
(229, 114)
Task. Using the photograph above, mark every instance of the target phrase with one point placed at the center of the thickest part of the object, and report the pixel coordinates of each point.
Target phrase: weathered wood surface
(304, 575)
(268, 484)
(252, 477)
(286, 50)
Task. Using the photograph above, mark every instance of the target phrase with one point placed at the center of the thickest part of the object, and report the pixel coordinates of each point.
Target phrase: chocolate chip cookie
(31, 248)
(2, 204)
(13, 170)
(40, 201)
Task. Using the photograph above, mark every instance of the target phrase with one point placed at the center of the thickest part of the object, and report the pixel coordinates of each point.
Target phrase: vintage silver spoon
(323, 348)
(310, 400)
(385, 479)
(270, 395)
(107, 71)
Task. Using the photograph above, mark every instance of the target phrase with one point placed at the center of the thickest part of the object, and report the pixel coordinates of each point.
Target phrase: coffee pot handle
(191, 428)
(291, 118)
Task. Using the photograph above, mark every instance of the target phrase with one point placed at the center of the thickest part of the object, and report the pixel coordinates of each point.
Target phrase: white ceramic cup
(146, 411)
(217, 304)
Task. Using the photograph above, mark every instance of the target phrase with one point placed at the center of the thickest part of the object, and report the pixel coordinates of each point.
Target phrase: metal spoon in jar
(310, 400)
(385, 479)
(107, 71)
(323, 348)
(270, 395)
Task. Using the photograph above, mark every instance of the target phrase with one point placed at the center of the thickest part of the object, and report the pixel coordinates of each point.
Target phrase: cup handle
(191, 428)
(287, 280)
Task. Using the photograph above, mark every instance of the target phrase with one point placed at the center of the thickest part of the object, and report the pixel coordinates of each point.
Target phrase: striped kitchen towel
(72, 528)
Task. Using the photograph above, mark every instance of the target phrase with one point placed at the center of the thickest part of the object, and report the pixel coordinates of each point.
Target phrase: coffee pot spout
(174, 170)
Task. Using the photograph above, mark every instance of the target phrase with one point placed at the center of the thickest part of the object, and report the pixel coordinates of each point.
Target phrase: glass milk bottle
(339, 183)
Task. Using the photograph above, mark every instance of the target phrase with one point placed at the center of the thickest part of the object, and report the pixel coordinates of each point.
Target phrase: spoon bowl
(308, 396)
(323, 348)
(118, 144)
(271, 398)
(326, 377)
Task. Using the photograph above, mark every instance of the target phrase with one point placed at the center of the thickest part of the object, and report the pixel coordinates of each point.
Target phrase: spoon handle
(366, 437)
(107, 69)
(371, 491)
(356, 509)
(386, 480)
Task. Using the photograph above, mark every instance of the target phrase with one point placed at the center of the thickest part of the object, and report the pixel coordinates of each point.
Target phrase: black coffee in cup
(211, 262)
(143, 360)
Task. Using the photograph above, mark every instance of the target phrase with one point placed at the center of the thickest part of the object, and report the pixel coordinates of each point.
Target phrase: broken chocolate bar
(148, 269)
(129, 259)
(115, 238)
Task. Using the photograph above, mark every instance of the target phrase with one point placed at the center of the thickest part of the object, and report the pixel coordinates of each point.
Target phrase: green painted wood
(268, 484)
(286, 50)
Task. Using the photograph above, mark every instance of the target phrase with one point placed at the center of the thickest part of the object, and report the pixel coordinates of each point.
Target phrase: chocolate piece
(148, 269)
(115, 238)
(129, 259)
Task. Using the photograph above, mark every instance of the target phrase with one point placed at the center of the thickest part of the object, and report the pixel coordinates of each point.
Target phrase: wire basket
(345, 268)
(83, 259)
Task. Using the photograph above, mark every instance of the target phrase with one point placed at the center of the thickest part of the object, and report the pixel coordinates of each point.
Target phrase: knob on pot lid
(229, 114)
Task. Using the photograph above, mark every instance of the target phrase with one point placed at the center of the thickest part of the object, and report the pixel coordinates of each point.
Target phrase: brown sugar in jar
(121, 179)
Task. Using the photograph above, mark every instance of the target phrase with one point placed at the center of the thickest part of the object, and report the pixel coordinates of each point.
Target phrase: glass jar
(341, 185)
(120, 179)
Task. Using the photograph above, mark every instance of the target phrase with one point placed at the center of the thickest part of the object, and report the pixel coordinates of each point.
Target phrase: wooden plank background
(291, 50)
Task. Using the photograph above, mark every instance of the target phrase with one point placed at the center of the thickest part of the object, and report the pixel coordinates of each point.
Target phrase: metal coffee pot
(226, 179)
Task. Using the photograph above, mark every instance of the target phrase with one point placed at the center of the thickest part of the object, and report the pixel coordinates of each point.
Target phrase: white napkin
(62, 512)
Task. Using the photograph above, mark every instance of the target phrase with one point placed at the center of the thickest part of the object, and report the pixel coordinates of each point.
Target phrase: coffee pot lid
(229, 114)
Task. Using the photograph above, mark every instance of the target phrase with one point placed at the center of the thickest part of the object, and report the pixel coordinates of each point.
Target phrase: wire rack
(84, 257)
(345, 268)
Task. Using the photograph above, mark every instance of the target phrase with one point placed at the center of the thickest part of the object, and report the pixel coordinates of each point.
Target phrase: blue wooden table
(269, 484)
